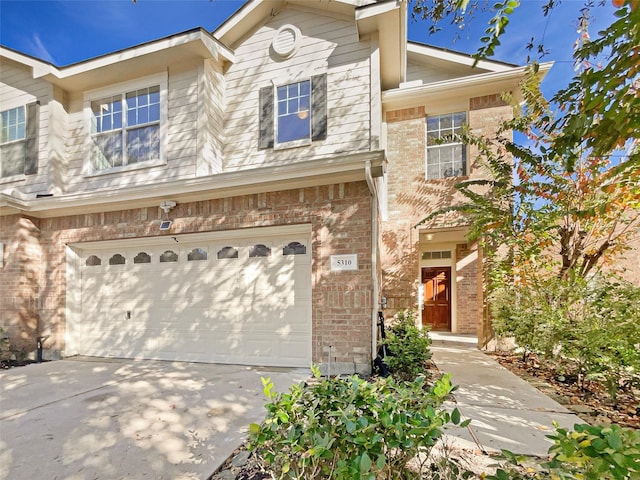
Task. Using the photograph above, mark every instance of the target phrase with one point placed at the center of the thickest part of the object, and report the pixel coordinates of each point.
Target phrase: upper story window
(130, 138)
(446, 155)
(126, 124)
(296, 116)
(13, 125)
(18, 140)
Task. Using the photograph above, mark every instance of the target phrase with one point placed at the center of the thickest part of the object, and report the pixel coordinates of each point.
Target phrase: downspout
(374, 257)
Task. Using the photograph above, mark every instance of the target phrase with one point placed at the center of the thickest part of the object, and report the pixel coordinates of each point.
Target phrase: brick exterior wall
(487, 101)
(628, 265)
(412, 198)
(405, 151)
(468, 302)
(20, 282)
(34, 287)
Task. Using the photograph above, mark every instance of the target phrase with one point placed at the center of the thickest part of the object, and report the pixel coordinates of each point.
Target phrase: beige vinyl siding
(210, 120)
(182, 144)
(18, 88)
(58, 129)
(328, 45)
(430, 70)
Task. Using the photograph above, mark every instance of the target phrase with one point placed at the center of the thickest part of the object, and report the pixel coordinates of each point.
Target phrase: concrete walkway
(506, 412)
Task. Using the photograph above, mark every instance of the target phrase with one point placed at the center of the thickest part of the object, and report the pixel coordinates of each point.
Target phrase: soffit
(434, 238)
(443, 56)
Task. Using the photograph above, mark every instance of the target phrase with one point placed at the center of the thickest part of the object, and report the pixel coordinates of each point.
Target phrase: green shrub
(590, 327)
(349, 428)
(408, 347)
(588, 452)
(606, 342)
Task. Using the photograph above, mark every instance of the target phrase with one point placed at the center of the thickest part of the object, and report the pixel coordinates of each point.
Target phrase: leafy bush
(608, 341)
(537, 316)
(588, 452)
(349, 428)
(408, 347)
(590, 327)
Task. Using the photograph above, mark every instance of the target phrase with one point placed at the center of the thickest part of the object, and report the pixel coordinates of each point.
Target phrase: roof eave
(500, 81)
(389, 20)
(336, 169)
(197, 42)
(458, 57)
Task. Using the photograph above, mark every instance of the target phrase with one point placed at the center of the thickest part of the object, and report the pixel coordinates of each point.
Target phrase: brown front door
(437, 298)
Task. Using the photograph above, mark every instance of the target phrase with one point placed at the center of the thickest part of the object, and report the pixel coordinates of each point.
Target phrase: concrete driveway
(88, 418)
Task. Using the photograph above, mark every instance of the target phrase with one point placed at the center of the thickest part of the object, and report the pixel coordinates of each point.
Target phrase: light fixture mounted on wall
(166, 206)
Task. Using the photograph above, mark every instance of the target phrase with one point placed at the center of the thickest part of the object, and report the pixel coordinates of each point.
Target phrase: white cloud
(38, 49)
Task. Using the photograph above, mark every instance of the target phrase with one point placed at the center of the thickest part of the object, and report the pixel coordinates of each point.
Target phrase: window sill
(125, 169)
(13, 178)
(292, 144)
(458, 178)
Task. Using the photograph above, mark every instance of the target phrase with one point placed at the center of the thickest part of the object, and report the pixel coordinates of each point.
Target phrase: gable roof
(254, 13)
(137, 60)
(385, 18)
(385, 21)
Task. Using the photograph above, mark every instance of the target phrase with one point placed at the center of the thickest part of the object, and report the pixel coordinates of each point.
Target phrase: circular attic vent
(286, 40)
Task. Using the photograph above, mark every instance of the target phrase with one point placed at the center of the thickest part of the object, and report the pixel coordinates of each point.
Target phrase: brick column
(20, 283)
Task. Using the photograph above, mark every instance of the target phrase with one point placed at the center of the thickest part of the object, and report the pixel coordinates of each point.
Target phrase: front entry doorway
(436, 314)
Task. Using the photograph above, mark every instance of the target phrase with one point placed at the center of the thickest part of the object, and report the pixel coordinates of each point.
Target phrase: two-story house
(243, 196)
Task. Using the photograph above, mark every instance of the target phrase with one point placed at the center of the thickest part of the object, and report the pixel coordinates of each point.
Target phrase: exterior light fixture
(167, 205)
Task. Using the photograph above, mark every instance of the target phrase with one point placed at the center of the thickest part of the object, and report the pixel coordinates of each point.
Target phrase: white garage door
(244, 300)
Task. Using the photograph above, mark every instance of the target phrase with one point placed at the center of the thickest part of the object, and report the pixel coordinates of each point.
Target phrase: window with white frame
(125, 126)
(13, 124)
(446, 154)
(294, 112)
(19, 140)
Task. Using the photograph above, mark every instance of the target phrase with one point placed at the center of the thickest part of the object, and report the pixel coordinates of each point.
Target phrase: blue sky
(64, 32)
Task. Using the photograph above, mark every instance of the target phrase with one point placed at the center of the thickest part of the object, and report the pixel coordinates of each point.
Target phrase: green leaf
(462, 4)
(455, 416)
(365, 462)
(614, 441)
(502, 475)
(351, 426)
(599, 444)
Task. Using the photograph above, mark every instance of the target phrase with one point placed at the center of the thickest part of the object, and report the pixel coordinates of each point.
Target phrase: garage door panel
(212, 308)
(91, 280)
(302, 282)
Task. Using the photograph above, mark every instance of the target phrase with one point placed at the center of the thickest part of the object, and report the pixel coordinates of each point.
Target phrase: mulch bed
(589, 401)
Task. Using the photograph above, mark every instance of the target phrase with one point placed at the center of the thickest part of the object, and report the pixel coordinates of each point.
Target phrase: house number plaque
(344, 262)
